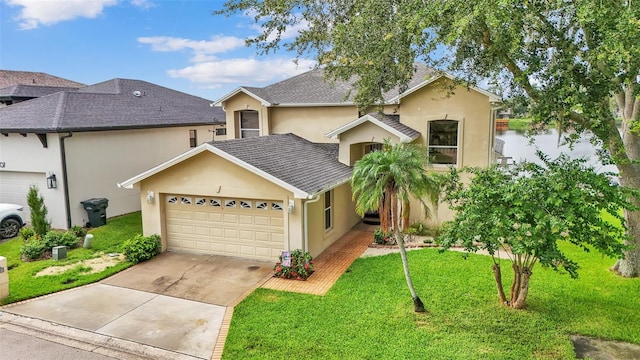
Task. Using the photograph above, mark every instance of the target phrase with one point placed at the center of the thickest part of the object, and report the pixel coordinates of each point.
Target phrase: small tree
(38, 210)
(393, 175)
(528, 209)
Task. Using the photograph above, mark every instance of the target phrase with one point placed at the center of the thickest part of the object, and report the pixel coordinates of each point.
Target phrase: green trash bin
(97, 210)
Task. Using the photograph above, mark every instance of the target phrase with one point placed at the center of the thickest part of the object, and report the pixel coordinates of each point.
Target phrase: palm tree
(388, 178)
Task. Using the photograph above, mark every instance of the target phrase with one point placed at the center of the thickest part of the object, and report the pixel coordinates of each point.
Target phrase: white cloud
(217, 44)
(242, 71)
(39, 12)
(143, 4)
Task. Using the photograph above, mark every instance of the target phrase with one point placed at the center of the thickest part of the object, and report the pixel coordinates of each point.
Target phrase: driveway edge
(85, 340)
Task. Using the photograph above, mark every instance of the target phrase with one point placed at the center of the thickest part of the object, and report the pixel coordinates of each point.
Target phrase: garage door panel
(245, 234)
(245, 219)
(200, 215)
(233, 227)
(230, 218)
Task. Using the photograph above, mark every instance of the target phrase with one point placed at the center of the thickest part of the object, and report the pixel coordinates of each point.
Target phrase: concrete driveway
(169, 307)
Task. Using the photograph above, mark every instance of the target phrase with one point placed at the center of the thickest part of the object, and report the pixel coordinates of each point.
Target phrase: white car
(10, 220)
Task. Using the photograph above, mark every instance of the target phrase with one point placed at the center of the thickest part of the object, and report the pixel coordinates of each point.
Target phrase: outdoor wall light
(150, 197)
(51, 181)
(291, 204)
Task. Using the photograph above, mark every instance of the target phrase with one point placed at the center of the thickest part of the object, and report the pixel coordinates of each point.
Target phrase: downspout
(63, 155)
(306, 225)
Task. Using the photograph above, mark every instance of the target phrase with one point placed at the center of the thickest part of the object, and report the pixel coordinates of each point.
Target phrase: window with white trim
(230, 203)
(328, 210)
(443, 142)
(249, 124)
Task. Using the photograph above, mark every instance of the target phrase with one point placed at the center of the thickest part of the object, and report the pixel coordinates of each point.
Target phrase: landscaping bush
(58, 238)
(38, 210)
(79, 231)
(33, 248)
(300, 269)
(141, 248)
(383, 238)
(26, 233)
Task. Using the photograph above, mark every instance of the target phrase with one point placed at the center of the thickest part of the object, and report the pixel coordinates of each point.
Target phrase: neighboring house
(281, 181)
(17, 86)
(90, 138)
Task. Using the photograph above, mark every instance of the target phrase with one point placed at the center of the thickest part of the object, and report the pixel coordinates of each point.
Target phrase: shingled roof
(11, 78)
(110, 105)
(26, 92)
(295, 164)
(390, 123)
(310, 167)
(313, 88)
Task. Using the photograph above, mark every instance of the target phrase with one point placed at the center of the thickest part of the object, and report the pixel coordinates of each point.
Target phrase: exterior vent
(137, 93)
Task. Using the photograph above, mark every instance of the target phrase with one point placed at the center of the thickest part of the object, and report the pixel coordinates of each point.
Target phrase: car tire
(9, 228)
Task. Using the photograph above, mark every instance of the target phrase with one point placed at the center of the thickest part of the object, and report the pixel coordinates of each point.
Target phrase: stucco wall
(97, 161)
(351, 141)
(209, 175)
(344, 218)
(242, 102)
(470, 107)
(311, 123)
(26, 154)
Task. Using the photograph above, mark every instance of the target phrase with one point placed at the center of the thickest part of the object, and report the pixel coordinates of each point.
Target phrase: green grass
(523, 124)
(368, 314)
(23, 284)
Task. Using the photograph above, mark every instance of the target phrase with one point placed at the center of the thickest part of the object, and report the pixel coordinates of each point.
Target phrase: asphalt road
(17, 346)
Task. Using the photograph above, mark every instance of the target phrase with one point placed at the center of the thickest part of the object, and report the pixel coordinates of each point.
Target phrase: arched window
(443, 142)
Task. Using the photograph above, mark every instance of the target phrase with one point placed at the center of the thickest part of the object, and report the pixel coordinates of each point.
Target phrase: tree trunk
(523, 291)
(627, 148)
(384, 213)
(515, 287)
(418, 306)
(497, 274)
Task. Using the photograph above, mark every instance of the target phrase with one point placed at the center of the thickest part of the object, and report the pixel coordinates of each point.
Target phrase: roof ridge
(60, 107)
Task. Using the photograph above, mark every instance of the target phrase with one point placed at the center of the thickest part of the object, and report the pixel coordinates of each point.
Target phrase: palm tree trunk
(418, 306)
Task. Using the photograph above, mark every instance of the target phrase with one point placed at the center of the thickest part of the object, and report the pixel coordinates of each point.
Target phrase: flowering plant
(300, 269)
(383, 238)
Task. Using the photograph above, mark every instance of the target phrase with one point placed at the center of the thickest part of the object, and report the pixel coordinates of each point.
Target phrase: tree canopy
(527, 210)
(565, 59)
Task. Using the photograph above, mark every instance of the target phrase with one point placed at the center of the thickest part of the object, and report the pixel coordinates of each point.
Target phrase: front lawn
(368, 314)
(23, 284)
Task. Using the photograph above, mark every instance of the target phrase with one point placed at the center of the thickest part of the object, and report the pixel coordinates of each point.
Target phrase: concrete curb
(85, 340)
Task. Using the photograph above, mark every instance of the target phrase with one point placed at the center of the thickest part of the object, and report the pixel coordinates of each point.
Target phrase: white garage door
(251, 228)
(14, 186)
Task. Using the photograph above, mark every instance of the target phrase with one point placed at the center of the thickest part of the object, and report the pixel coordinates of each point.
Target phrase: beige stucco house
(281, 180)
(91, 137)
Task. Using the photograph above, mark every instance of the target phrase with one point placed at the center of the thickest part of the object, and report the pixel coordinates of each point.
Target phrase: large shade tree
(566, 59)
(396, 173)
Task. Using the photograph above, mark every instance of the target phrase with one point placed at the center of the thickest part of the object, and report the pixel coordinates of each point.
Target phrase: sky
(178, 44)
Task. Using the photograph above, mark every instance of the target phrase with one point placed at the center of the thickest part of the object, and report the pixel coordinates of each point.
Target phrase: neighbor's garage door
(251, 228)
(14, 186)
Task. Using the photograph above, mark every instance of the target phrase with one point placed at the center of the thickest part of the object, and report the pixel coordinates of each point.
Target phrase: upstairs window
(443, 142)
(249, 124)
(193, 138)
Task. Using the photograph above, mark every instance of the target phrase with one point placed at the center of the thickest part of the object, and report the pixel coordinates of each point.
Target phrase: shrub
(79, 231)
(141, 248)
(300, 269)
(33, 248)
(26, 234)
(59, 238)
(383, 238)
(38, 211)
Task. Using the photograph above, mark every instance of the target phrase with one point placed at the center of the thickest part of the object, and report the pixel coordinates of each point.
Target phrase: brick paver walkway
(329, 265)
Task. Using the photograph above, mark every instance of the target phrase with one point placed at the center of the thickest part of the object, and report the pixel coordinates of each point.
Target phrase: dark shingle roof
(393, 121)
(313, 87)
(113, 104)
(310, 167)
(11, 77)
(31, 91)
